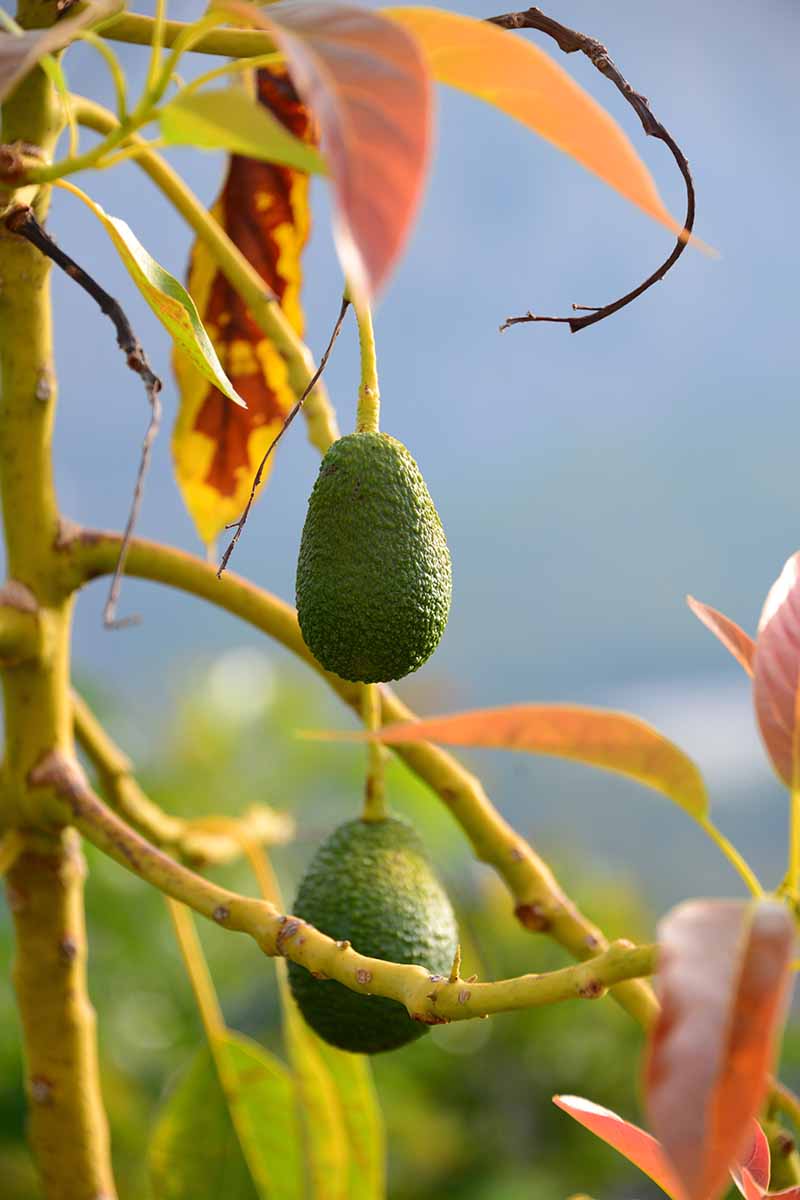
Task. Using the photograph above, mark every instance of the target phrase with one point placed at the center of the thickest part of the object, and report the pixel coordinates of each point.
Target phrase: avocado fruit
(374, 577)
(371, 884)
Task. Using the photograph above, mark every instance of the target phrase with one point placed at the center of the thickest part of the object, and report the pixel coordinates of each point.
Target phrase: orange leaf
(633, 1143)
(264, 209)
(776, 672)
(723, 984)
(524, 82)
(366, 82)
(612, 740)
(733, 638)
(755, 1164)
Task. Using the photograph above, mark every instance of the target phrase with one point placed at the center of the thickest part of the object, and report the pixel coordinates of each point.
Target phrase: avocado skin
(374, 577)
(372, 884)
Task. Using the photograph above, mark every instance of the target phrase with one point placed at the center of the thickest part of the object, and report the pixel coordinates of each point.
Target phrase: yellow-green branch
(241, 275)
(200, 841)
(428, 998)
(68, 1128)
(137, 29)
(540, 904)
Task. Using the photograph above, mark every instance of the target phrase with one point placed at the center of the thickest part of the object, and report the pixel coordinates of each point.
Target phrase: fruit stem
(374, 790)
(369, 395)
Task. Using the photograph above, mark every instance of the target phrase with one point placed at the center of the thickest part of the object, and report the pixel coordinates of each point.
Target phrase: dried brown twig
(24, 223)
(239, 525)
(570, 41)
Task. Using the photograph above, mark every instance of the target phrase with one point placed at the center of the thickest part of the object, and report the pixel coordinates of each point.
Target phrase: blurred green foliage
(467, 1108)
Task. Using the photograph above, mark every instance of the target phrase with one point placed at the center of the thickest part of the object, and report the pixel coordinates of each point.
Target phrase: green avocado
(371, 883)
(373, 576)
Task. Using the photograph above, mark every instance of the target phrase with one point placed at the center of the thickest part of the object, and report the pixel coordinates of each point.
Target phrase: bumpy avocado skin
(372, 884)
(374, 576)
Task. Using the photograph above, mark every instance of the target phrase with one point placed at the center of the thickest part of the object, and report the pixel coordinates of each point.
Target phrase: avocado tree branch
(68, 1127)
(137, 29)
(570, 41)
(23, 222)
(431, 999)
(261, 301)
(540, 904)
(201, 841)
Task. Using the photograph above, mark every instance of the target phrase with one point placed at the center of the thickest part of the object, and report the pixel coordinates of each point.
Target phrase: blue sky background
(586, 482)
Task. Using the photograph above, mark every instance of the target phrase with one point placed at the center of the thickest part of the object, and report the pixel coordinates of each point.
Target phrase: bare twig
(570, 41)
(240, 524)
(23, 222)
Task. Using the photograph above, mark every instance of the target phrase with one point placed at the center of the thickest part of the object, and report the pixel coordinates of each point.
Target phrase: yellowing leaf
(352, 1077)
(264, 209)
(229, 119)
(612, 740)
(524, 82)
(168, 298)
(327, 1148)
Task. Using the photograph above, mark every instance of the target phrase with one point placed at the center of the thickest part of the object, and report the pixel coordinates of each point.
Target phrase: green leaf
(168, 298)
(231, 120)
(352, 1077)
(245, 1147)
(326, 1140)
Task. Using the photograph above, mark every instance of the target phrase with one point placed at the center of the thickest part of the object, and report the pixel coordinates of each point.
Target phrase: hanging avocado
(374, 576)
(371, 883)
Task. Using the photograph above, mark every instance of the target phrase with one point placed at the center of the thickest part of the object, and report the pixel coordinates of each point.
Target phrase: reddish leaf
(751, 1174)
(748, 1186)
(264, 209)
(777, 669)
(523, 81)
(637, 1146)
(20, 52)
(612, 740)
(724, 979)
(367, 84)
(733, 638)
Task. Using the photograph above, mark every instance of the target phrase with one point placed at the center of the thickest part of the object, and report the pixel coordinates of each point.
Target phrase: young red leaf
(776, 669)
(751, 1173)
(366, 82)
(724, 979)
(733, 638)
(612, 740)
(632, 1142)
(20, 52)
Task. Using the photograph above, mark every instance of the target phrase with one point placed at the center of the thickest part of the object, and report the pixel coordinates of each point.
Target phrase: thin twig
(240, 524)
(24, 223)
(570, 41)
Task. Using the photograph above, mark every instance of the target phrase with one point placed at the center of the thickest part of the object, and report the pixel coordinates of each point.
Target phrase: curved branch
(431, 999)
(200, 841)
(570, 41)
(540, 904)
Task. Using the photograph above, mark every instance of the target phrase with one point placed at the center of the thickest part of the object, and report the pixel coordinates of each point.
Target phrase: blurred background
(586, 482)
